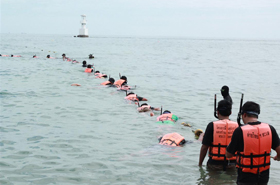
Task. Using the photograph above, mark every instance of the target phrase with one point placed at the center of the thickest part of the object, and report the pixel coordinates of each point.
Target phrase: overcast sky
(251, 19)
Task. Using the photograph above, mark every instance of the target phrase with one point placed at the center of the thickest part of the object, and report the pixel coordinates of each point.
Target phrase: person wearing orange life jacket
(99, 75)
(253, 142)
(147, 108)
(216, 138)
(88, 69)
(109, 83)
(167, 117)
(172, 139)
(133, 97)
(122, 81)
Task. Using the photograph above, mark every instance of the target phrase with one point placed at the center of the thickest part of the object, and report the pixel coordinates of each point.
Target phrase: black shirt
(237, 144)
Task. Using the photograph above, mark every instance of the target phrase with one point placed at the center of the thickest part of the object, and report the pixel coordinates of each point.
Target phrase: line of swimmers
(165, 117)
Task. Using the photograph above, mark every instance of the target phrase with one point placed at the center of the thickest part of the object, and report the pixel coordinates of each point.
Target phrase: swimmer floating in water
(167, 117)
(109, 83)
(172, 139)
(147, 108)
(133, 97)
(99, 75)
(84, 64)
(90, 56)
(88, 69)
(122, 81)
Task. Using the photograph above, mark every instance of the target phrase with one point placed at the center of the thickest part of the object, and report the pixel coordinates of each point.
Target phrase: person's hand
(276, 158)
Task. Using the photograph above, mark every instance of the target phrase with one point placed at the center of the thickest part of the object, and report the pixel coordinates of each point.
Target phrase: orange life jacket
(165, 117)
(105, 83)
(222, 132)
(144, 108)
(119, 82)
(88, 70)
(172, 139)
(132, 97)
(257, 147)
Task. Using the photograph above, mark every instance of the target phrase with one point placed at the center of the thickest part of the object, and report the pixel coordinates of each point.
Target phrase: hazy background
(249, 19)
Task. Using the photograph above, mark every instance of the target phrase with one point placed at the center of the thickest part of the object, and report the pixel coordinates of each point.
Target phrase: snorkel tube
(120, 75)
(215, 106)
(240, 109)
(161, 110)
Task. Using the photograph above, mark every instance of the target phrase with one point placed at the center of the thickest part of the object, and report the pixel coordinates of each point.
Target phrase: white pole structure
(83, 31)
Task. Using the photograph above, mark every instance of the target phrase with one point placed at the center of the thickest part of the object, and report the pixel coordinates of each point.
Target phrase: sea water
(55, 133)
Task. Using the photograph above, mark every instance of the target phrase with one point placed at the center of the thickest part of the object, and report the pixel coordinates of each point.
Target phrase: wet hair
(225, 91)
(143, 104)
(84, 62)
(48, 56)
(130, 93)
(252, 109)
(97, 72)
(123, 78)
(112, 80)
(89, 66)
(63, 54)
(12, 55)
(166, 112)
(224, 108)
(34, 56)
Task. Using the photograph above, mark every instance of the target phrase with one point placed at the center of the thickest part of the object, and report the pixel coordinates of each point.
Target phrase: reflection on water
(209, 176)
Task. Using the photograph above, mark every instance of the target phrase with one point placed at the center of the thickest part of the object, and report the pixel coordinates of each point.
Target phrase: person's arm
(229, 155)
(157, 109)
(234, 143)
(141, 98)
(277, 157)
(203, 152)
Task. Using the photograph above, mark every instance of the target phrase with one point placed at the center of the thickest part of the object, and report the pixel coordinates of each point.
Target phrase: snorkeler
(84, 64)
(147, 108)
(90, 56)
(63, 56)
(99, 75)
(110, 82)
(122, 81)
(88, 69)
(172, 139)
(133, 97)
(167, 117)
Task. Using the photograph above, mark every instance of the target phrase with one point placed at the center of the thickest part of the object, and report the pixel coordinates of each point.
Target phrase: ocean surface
(55, 133)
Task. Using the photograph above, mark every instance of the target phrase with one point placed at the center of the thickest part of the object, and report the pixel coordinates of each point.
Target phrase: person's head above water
(225, 91)
(143, 104)
(166, 112)
(84, 62)
(224, 108)
(97, 71)
(112, 80)
(48, 56)
(63, 55)
(89, 66)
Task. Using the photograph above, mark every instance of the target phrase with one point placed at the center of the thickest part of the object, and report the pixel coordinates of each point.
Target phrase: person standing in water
(253, 143)
(216, 138)
(225, 93)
